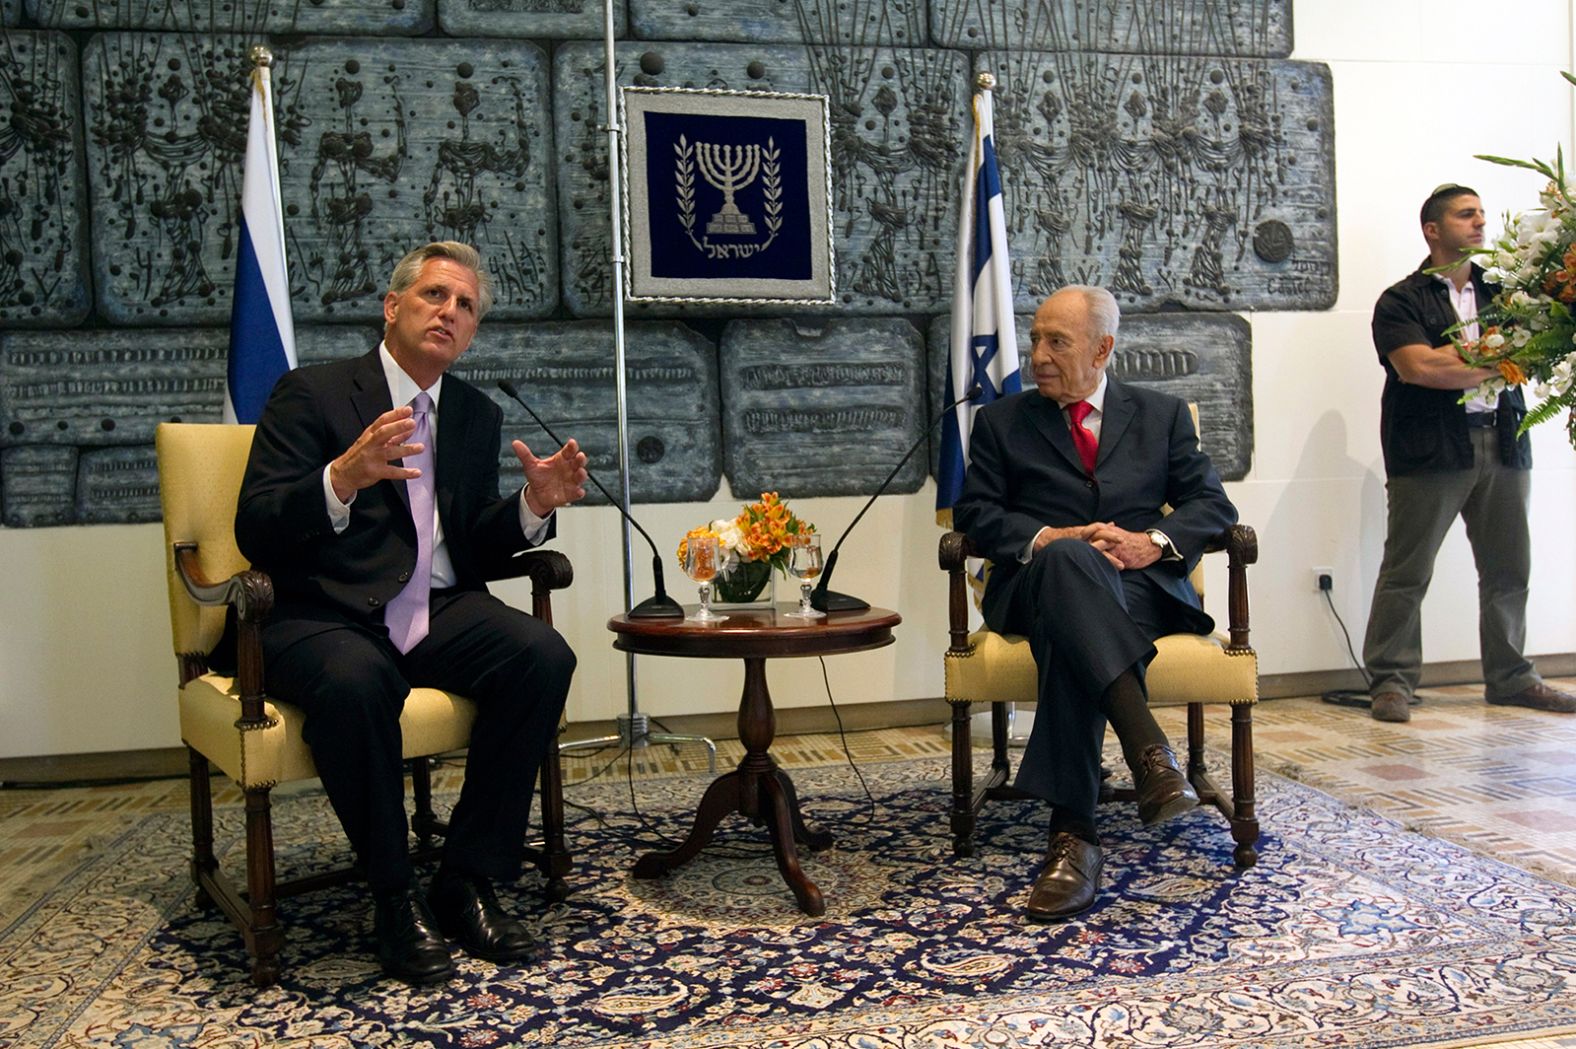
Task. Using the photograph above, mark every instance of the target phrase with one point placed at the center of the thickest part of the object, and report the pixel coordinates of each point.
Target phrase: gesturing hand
(555, 481)
(370, 459)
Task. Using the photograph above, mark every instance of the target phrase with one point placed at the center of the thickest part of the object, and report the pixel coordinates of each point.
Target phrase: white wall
(83, 607)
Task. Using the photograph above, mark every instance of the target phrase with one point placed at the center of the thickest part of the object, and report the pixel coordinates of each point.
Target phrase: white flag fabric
(984, 338)
(262, 333)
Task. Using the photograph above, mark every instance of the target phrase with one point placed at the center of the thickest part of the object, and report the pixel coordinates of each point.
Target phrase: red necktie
(1085, 441)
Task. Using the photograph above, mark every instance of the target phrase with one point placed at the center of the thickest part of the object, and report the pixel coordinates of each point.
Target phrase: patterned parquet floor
(1498, 780)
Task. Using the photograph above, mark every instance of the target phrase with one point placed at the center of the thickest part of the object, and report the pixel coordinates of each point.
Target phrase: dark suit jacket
(1024, 473)
(282, 524)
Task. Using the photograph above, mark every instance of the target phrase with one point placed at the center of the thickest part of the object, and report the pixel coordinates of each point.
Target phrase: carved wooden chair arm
(548, 570)
(251, 594)
(1242, 549)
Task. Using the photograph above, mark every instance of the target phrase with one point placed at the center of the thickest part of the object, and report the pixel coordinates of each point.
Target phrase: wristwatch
(1163, 541)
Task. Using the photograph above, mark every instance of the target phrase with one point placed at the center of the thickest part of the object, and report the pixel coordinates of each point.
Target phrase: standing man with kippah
(1445, 459)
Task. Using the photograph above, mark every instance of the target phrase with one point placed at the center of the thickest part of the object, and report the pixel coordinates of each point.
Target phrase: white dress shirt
(403, 390)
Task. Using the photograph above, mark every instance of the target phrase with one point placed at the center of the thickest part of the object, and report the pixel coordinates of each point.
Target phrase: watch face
(1154, 537)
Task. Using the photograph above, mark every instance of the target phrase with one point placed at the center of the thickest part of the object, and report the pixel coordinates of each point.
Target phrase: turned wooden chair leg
(1244, 823)
(201, 789)
(555, 860)
(265, 936)
(423, 821)
(962, 782)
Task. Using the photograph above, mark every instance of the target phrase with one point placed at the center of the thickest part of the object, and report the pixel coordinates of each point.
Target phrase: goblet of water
(804, 561)
(702, 560)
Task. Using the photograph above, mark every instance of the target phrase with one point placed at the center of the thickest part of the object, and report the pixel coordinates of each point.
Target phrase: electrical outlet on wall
(1323, 579)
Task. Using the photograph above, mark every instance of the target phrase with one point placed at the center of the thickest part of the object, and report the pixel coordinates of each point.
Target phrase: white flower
(1493, 340)
(729, 536)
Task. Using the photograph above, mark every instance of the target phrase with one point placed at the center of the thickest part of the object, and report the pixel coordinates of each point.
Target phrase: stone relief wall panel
(564, 371)
(821, 408)
(97, 388)
(249, 18)
(857, 22)
(10, 12)
(383, 144)
(531, 19)
(36, 486)
(898, 121)
(1260, 28)
(43, 240)
(1203, 358)
(1204, 182)
(117, 485)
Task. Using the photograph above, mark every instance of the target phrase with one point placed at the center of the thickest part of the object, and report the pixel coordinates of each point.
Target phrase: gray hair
(1105, 315)
(409, 268)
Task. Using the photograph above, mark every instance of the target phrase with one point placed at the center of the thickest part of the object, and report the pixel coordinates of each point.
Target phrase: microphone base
(832, 601)
(659, 607)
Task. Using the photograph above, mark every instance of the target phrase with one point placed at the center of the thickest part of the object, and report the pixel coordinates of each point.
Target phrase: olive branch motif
(772, 189)
(685, 178)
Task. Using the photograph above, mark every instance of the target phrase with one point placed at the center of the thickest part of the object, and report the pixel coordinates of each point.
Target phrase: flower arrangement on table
(754, 543)
(1528, 330)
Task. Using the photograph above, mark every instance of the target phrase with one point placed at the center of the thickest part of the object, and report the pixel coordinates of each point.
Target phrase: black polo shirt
(1423, 430)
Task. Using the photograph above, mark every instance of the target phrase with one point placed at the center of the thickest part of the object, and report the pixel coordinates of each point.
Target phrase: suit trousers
(351, 684)
(1087, 622)
(1492, 499)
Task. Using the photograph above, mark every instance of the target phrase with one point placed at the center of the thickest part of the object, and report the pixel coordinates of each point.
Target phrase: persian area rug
(1349, 932)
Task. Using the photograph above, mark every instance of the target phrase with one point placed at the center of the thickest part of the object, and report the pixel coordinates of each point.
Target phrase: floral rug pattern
(1349, 932)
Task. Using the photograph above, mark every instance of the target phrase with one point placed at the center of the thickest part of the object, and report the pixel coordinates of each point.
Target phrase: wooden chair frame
(1241, 547)
(253, 910)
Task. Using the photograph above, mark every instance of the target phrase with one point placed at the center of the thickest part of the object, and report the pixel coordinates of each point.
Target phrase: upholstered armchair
(255, 740)
(985, 667)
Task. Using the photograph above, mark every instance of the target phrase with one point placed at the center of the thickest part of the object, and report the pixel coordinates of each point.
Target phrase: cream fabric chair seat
(432, 722)
(1190, 668)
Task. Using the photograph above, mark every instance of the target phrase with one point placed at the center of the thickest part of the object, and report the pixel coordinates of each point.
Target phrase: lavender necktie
(406, 615)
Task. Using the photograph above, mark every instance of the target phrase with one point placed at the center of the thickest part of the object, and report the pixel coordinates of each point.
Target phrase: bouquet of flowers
(1528, 330)
(754, 543)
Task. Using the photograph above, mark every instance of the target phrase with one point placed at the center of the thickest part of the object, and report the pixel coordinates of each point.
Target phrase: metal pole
(633, 726)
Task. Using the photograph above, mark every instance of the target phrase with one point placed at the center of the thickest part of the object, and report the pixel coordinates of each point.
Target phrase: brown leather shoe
(1391, 706)
(1163, 792)
(1069, 882)
(1539, 697)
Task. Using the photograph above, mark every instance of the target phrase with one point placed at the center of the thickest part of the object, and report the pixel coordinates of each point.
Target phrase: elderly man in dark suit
(371, 498)
(1064, 493)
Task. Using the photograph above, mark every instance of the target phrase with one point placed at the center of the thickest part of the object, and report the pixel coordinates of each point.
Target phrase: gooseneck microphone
(824, 600)
(659, 605)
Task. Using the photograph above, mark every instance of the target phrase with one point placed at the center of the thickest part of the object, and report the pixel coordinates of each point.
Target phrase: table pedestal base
(759, 790)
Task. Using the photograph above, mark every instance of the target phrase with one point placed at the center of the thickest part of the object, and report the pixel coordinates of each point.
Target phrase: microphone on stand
(659, 605)
(824, 600)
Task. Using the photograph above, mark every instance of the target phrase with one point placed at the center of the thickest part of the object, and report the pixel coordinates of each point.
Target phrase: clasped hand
(1124, 549)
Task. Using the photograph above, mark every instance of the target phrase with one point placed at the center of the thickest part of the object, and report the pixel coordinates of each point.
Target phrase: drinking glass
(701, 562)
(804, 561)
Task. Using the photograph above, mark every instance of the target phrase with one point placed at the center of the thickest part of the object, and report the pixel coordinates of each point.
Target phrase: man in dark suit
(1063, 493)
(371, 498)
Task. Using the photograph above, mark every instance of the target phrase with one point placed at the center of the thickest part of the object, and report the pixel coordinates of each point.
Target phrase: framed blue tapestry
(727, 197)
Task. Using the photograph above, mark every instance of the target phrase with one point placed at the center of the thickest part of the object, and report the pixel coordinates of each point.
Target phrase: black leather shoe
(409, 945)
(1539, 697)
(469, 912)
(1069, 882)
(1163, 792)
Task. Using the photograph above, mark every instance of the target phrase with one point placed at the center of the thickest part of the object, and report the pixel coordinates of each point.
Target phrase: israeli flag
(262, 333)
(984, 337)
